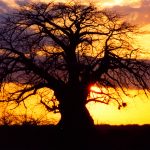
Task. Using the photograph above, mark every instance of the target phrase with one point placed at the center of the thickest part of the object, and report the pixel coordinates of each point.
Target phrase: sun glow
(136, 112)
(95, 89)
(112, 3)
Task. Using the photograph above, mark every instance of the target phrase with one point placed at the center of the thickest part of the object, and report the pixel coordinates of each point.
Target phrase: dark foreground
(105, 137)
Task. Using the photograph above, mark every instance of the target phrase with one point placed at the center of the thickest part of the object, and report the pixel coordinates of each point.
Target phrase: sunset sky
(138, 12)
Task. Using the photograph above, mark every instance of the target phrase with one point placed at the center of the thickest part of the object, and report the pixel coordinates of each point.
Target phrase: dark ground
(105, 137)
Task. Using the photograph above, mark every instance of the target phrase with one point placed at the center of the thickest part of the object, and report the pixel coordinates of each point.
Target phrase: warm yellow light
(136, 112)
(112, 3)
(95, 89)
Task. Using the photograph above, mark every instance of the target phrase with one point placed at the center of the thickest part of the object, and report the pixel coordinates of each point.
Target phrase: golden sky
(138, 12)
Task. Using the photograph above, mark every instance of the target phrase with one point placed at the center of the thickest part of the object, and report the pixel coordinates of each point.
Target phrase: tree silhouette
(69, 48)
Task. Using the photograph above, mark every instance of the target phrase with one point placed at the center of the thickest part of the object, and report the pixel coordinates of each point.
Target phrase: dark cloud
(3, 7)
(23, 2)
(136, 15)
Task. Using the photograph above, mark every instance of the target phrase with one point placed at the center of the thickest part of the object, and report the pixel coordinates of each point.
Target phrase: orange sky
(138, 109)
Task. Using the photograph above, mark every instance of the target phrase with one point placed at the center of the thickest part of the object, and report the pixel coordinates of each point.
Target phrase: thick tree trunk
(76, 121)
(76, 118)
(74, 114)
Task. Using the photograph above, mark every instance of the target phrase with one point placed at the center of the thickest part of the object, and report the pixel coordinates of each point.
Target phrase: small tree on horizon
(69, 48)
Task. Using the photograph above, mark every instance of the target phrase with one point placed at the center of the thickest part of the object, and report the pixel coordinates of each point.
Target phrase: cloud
(3, 7)
(7, 6)
(137, 15)
(138, 11)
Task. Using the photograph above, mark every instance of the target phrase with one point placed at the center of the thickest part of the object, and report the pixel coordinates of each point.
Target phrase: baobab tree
(69, 48)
